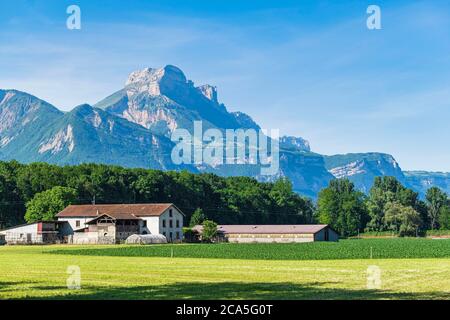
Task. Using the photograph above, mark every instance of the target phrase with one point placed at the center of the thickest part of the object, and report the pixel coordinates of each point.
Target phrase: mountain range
(132, 128)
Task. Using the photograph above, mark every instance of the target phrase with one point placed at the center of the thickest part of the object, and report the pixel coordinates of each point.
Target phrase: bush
(190, 235)
(209, 231)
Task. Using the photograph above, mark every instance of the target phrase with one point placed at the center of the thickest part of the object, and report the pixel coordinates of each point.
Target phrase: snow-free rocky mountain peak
(132, 128)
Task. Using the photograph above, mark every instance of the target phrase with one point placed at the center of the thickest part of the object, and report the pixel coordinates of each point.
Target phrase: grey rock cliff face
(362, 168)
(209, 92)
(295, 143)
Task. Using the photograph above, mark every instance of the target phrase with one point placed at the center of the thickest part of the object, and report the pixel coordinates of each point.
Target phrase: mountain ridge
(132, 127)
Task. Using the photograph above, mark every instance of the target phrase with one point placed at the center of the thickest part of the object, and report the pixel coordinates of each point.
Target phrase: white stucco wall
(29, 228)
(167, 230)
(67, 229)
(23, 234)
(85, 238)
(155, 224)
(152, 225)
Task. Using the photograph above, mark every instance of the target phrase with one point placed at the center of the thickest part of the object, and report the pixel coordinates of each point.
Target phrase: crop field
(409, 269)
(344, 249)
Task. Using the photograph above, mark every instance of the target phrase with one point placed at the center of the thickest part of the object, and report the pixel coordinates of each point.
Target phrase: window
(178, 223)
(164, 234)
(144, 223)
(171, 236)
(170, 224)
(170, 213)
(164, 223)
(77, 223)
(178, 236)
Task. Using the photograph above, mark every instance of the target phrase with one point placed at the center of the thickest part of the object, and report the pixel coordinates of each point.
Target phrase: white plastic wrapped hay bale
(146, 239)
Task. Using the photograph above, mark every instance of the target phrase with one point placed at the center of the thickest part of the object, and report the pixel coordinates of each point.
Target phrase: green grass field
(410, 269)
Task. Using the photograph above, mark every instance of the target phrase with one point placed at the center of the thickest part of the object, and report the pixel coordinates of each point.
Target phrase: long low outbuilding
(273, 233)
(40, 232)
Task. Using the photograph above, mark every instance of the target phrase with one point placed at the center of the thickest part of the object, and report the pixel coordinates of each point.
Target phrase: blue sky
(309, 68)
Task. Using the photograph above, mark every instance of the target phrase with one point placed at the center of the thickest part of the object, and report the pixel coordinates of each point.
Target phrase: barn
(273, 233)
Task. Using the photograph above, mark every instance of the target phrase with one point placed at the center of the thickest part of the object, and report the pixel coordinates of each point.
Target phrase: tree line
(38, 191)
(389, 206)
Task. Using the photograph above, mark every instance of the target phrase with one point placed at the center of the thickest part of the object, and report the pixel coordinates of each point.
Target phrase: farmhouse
(113, 223)
(40, 232)
(273, 233)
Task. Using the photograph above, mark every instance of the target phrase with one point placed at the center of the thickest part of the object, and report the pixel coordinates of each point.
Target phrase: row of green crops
(344, 249)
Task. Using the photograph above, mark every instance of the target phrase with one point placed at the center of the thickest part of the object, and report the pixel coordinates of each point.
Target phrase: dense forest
(389, 206)
(40, 188)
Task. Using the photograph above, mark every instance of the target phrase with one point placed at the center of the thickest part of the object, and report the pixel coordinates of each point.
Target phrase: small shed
(146, 239)
(40, 232)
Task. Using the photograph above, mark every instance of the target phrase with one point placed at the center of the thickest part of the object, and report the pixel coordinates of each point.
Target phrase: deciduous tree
(401, 219)
(45, 205)
(342, 207)
(436, 202)
(197, 217)
(209, 231)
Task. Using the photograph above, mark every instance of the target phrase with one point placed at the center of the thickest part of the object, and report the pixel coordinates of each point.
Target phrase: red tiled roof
(268, 229)
(89, 210)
